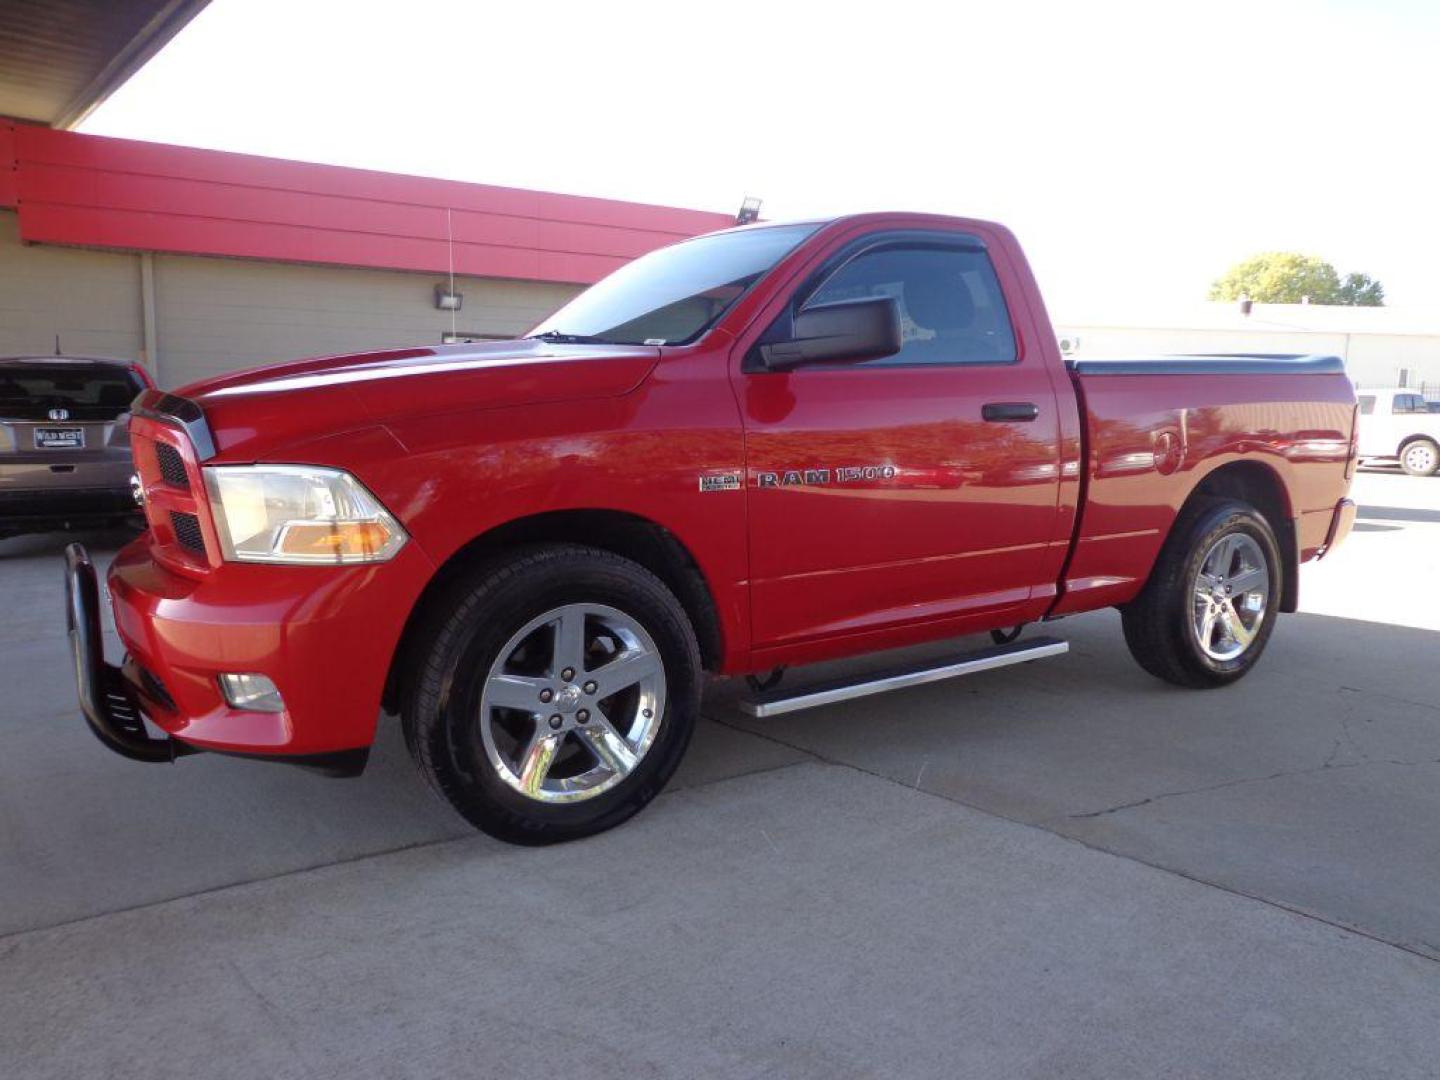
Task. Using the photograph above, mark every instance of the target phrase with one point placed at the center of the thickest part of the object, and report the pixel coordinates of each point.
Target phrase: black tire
(459, 639)
(1159, 627)
(1420, 457)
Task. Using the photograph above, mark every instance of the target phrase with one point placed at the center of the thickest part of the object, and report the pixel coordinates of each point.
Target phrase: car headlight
(298, 514)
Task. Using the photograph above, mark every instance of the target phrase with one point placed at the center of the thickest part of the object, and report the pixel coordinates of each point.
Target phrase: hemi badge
(721, 482)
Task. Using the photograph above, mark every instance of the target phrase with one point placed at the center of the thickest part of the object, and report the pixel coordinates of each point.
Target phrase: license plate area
(59, 438)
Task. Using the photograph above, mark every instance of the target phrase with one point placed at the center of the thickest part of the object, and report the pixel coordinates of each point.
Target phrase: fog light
(253, 693)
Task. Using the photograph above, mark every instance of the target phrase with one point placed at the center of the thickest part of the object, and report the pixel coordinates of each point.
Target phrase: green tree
(1286, 277)
(1361, 290)
(1279, 277)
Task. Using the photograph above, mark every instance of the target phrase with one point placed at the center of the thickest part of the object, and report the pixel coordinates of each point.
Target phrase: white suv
(1396, 424)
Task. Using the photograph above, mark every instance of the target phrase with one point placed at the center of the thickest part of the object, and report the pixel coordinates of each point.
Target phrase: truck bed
(1284, 424)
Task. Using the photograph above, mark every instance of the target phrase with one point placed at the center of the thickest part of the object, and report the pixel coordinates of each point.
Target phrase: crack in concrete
(1346, 928)
(273, 1014)
(1430, 705)
(1327, 765)
(1349, 737)
(1334, 751)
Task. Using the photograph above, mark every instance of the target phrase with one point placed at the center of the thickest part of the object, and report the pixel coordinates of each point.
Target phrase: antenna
(446, 298)
(57, 345)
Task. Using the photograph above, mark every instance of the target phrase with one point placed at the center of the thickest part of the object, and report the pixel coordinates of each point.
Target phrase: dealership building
(198, 262)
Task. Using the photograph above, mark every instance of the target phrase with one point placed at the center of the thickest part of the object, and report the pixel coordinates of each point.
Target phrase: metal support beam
(147, 315)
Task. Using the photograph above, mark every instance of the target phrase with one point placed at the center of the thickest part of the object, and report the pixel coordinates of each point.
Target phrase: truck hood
(272, 406)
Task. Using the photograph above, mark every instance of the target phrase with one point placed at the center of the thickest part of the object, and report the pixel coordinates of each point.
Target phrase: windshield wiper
(568, 339)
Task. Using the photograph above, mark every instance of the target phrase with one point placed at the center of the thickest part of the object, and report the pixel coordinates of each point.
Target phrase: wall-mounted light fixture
(446, 300)
(749, 211)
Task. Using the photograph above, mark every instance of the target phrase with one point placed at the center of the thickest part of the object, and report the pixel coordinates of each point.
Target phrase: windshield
(85, 392)
(672, 296)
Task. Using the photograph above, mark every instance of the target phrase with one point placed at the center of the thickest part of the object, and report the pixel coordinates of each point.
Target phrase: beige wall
(217, 315)
(91, 299)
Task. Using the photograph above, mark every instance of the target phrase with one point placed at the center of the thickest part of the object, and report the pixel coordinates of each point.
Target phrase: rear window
(1367, 404)
(1417, 404)
(32, 392)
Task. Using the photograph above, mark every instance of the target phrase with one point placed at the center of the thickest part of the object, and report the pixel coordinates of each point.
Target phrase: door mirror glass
(847, 331)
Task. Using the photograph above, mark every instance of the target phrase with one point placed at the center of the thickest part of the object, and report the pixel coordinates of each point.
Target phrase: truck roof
(866, 215)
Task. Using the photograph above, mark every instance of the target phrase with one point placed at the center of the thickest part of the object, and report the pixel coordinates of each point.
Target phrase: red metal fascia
(101, 192)
(8, 186)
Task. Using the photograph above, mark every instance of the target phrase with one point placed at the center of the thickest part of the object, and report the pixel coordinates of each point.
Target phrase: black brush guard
(111, 706)
(106, 697)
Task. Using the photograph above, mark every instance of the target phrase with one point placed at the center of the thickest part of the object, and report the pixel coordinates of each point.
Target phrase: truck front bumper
(325, 636)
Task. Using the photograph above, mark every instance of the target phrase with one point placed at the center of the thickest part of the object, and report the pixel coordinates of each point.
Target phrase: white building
(1380, 346)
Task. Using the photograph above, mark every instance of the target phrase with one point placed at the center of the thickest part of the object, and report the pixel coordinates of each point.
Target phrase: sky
(1136, 149)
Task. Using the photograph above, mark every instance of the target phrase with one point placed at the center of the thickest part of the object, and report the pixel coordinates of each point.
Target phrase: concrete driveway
(1066, 869)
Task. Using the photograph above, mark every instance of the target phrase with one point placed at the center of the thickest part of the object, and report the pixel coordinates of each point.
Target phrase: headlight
(298, 514)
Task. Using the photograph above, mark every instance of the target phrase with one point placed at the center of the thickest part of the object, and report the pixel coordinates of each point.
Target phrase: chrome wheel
(573, 703)
(1231, 593)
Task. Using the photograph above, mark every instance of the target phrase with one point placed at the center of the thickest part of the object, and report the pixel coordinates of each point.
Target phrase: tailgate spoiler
(1214, 364)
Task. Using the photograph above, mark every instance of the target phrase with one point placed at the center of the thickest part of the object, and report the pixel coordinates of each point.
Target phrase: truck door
(919, 488)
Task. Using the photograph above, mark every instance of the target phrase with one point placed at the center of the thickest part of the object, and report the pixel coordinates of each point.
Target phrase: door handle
(1010, 411)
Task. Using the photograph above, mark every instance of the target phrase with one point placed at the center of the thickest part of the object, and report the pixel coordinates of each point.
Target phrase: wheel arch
(1418, 436)
(629, 535)
(1260, 486)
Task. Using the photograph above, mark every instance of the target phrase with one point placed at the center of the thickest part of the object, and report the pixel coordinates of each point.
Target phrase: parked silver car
(65, 442)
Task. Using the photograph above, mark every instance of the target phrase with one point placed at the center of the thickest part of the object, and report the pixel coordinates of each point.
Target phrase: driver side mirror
(846, 331)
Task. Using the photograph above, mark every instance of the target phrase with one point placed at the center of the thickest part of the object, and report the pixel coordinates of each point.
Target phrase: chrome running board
(778, 703)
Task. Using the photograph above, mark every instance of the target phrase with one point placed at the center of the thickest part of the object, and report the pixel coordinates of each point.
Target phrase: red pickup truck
(758, 448)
